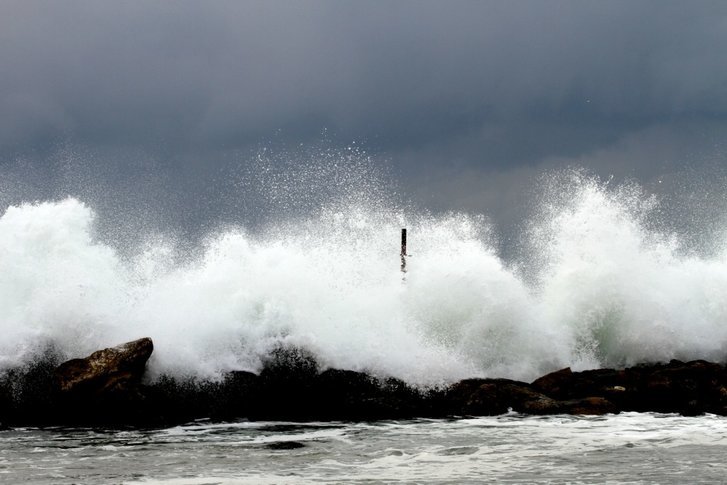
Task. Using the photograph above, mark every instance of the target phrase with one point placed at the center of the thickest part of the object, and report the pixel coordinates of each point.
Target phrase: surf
(595, 283)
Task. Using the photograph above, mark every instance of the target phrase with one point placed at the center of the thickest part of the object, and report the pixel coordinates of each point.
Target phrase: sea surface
(625, 448)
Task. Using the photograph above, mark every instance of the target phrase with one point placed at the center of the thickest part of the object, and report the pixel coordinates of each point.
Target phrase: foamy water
(628, 448)
(598, 285)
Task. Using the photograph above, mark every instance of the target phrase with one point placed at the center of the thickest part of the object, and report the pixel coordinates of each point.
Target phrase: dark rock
(565, 384)
(677, 387)
(235, 396)
(26, 393)
(482, 397)
(351, 395)
(541, 406)
(292, 386)
(390, 399)
(286, 385)
(107, 388)
(688, 388)
(555, 383)
(594, 406)
(169, 401)
(489, 397)
(116, 369)
(103, 388)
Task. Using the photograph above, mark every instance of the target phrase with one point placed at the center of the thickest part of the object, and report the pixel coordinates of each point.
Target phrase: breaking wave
(596, 283)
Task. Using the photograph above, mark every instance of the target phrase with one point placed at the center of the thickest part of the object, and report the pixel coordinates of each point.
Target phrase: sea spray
(598, 286)
(625, 291)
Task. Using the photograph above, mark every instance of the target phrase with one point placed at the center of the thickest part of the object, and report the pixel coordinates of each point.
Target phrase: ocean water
(627, 448)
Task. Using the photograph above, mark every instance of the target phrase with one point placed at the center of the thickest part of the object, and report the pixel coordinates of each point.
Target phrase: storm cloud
(466, 102)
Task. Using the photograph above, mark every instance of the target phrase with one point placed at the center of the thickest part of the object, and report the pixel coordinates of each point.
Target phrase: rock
(104, 388)
(351, 395)
(26, 392)
(541, 406)
(489, 397)
(293, 386)
(168, 401)
(594, 406)
(116, 369)
(235, 396)
(688, 388)
(677, 387)
(286, 387)
(565, 384)
(555, 383)
(480, 397)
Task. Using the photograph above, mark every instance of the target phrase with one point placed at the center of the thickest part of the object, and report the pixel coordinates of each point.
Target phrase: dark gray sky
(152, 106)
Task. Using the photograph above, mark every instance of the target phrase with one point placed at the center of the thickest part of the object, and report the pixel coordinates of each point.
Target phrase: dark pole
(403, 250)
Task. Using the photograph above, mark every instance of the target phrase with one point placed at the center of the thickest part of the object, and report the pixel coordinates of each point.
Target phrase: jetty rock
(115, 369)
(108, 388)
(103, 388)
(687, 388)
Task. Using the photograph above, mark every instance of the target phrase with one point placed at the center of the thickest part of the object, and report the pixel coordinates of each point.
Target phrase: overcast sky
(157, 104)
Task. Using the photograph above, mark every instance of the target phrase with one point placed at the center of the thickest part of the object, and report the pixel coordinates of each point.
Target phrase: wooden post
(403, 250)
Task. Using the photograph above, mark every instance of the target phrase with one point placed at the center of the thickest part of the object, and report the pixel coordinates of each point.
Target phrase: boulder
(489, 397)
(594, 406)
(292, 385)
(567, 385)
(555, 383)
(109, 371)
(168, 401)
(687, 388)
(26, 392)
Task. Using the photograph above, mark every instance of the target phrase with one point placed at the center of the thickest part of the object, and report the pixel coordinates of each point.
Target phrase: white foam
(602, 289)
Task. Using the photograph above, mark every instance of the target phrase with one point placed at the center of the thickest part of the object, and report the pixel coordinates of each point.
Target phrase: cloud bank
(467, 101)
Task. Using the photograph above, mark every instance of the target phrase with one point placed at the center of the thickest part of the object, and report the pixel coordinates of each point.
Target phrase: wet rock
(106, 388)
(565, 384)
(169, 401)
(556, 383)
(541, 406)
(351, 395)
(235, 396)
(496, 396)
(103, 388)
(594, 406)
(116, 369)
(688, 388)
(293, 386)
(26, 392)
(489, 397)
(286, 385)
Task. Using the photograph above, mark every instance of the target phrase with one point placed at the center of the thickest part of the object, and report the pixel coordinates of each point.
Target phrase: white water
(599, 287)
(625, 448)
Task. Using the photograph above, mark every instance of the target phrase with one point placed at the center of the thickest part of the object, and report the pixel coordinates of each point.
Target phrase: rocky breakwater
(108, 388)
